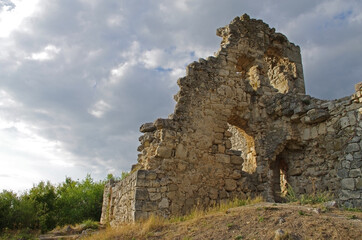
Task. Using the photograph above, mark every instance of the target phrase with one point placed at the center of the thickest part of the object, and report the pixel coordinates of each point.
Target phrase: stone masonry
(243, 126)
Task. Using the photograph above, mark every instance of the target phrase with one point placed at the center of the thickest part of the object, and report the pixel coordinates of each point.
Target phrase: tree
(46, 206)
(43, 196)
(8, 201)
(79, 201)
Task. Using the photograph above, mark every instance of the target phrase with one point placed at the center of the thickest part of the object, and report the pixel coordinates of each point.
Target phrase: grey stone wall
(136, 197)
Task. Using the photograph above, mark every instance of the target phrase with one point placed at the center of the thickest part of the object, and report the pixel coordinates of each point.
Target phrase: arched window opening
(244, 143)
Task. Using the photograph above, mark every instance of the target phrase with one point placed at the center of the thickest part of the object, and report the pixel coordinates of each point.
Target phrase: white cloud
(27, 158)
(11, 20)
(99, 109)
(154, 58)
(49, 53)
(118, 72)
(115, 20)
(7, 101)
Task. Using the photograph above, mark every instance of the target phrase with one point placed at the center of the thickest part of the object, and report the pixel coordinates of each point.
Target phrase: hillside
(258, 221)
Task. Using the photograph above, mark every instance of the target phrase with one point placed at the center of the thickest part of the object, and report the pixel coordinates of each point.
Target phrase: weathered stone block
(163, 152)
(213, 193)
(357, 155)
(149, 207)
(147, 127)
(344, 122)
(142, 183)
(352, 147)
(343, 173)
(230, 185)
(306, 134)
(359, 183)
(349, 157)
(151, 175)
(181, 151)
(295, 172)
(346, 164)
(236, 174)
(155, 196)
(164, 203)
(347, 194)
(355, 173)
(237, 160)
(356, 164)
(352, 119)
(348, 183)
(141, 194)
(316, 116)
(163, 123)
(138, 215)
(223, 158)
(181, 166)
(221, 148)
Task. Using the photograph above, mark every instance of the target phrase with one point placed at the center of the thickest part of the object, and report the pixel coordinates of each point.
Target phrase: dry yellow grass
(137, 230)
(144, 229)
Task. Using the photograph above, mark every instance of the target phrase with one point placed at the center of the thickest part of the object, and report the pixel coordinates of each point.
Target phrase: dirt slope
(261, 221)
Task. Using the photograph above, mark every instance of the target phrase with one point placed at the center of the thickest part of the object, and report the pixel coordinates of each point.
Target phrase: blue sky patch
(343, 15)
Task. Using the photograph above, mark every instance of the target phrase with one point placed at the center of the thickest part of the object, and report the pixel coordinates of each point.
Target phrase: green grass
(89, 224)
(353, 209)
(303, 199)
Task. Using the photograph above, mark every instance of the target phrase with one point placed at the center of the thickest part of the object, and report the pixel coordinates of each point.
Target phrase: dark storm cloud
(88, 73)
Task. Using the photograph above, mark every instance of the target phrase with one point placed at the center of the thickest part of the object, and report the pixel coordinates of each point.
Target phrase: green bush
(45, 205)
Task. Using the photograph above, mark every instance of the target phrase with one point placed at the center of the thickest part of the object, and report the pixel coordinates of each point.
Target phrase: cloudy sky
(78, 77)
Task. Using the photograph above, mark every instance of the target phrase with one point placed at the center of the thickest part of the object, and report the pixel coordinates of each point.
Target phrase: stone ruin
(243, 126)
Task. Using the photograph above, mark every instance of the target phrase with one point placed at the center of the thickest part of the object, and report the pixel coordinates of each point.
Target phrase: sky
(79, 77)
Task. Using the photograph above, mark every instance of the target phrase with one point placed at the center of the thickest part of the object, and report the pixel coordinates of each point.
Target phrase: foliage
(79, 201)
(291, 196)
(124, 175)
(43, 198)
(23, 234)
(46, 205)
(315, 198)
(319, 197)
(353, 209)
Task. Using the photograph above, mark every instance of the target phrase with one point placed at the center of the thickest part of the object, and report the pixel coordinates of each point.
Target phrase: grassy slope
(254, 221)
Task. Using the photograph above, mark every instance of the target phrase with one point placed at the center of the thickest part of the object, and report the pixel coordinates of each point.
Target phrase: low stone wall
(136, 197)
(119, 200)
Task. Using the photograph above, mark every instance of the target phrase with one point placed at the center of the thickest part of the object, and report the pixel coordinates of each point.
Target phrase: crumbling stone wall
(243, 126)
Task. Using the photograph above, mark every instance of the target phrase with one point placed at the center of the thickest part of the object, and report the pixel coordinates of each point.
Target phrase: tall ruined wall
(243, 126)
